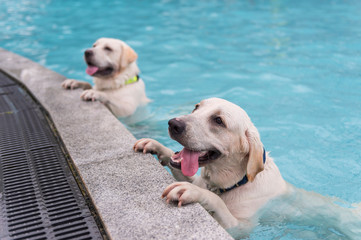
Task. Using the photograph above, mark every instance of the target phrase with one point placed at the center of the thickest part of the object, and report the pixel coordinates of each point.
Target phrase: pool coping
(124, 186)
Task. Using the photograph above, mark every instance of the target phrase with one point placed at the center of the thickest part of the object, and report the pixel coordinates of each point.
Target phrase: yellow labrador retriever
(238, 176)
(112, 63)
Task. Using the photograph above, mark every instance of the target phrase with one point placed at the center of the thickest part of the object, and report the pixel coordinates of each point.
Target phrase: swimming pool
(293, 66)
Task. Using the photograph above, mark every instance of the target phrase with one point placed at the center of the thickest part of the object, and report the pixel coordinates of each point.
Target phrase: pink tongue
(91, 70)
(189, 163)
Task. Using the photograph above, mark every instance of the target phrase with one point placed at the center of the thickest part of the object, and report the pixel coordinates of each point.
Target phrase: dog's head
(108, 57)
(217, 133)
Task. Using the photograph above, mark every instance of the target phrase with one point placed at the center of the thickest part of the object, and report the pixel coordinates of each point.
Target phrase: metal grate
(13, 98)
(39, 197)
(5, 81)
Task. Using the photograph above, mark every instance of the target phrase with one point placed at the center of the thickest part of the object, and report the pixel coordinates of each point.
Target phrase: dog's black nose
(176, 126)
(88, 53)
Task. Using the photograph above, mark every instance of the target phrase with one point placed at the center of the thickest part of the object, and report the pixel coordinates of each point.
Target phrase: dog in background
(112, 64)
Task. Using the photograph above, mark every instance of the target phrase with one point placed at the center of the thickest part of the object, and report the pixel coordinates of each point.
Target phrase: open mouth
(190, 160)
(97, 71)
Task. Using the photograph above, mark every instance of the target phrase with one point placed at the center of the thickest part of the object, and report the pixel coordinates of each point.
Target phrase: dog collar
(244, 180)
(132, 80)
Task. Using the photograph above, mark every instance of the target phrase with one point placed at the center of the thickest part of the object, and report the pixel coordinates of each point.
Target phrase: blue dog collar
(244, 180)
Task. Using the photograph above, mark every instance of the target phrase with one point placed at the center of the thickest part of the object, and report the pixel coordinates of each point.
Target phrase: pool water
(294, 66)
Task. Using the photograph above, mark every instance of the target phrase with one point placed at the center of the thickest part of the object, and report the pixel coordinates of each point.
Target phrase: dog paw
(146, 145)
(183, 192)
(91, 95)
(70, 84)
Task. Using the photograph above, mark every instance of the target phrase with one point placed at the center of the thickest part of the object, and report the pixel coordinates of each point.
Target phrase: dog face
(108, 57)
(217, 132)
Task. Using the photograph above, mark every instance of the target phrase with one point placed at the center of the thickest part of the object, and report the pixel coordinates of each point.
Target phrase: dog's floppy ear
(128, 55)
(255, 158)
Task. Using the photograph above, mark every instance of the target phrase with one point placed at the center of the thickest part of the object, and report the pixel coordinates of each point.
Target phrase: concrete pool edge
(124, 186)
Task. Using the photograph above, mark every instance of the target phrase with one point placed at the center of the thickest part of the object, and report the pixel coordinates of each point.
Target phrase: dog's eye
(218, 120)
(108, 49)
(196, 107)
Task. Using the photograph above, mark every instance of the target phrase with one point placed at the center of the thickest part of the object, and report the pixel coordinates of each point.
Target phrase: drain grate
(14, 98)
(5, 81)
(39, 197)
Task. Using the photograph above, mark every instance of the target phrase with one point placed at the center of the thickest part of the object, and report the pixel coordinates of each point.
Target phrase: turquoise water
(294, 66)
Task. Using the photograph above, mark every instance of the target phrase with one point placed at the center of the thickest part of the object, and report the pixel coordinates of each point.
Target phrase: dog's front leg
(185, 192)
(94, 95)
(73, 84)
(148, 145)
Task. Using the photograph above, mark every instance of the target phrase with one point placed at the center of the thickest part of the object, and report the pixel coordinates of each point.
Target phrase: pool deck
(124, 186)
